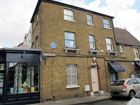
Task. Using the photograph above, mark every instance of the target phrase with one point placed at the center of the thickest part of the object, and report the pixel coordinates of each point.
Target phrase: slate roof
(122, 36)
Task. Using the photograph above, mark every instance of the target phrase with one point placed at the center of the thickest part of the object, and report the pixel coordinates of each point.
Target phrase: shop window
(23, 78)
(1, 77)
(113, 76)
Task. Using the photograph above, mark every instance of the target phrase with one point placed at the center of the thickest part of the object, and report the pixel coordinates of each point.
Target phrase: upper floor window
(89, 19)
(136, 53)
(68, 15)
(69, 39)
(91, 42)
(106, 23)
(109, 44)
(121, 48)
(71, 71)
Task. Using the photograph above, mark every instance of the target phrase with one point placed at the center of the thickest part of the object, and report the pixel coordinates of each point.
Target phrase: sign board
(48, 55)
(53, 45)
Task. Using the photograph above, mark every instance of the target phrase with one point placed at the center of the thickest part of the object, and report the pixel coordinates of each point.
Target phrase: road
(121, 101)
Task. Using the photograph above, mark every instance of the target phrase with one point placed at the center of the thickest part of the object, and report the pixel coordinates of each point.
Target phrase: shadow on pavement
(114, 99)
(121, 98)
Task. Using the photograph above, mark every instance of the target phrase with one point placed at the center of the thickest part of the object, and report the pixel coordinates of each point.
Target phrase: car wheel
(131, 94)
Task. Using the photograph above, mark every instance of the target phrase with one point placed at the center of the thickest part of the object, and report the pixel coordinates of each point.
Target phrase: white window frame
(69, 75)
(89, 21)
(136, 53)
(121, 48)
(109, 44)
(68, 15)
(93, 42)
(72, 40)
(106, 23)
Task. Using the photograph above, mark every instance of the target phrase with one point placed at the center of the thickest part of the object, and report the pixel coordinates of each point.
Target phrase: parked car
(135, 100)
(126, 87)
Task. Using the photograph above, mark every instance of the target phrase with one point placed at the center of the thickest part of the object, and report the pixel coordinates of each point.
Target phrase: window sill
(136, 59)
(91, 51)
(112, 52)
(66, 49)
(90, 24)
(108, 28)
(121, 52)
(72, 86)
(70, 20)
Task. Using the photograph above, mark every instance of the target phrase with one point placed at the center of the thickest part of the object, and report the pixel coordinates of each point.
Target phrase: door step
(97, 93)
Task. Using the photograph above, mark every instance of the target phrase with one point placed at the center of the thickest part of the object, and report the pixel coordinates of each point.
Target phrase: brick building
(128, 47)
(86, 52)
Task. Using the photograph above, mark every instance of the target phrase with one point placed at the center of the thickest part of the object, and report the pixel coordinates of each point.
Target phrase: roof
(63, 4)
(122, 36)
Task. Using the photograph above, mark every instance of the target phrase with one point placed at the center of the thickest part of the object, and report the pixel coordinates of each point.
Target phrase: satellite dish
(53, 45)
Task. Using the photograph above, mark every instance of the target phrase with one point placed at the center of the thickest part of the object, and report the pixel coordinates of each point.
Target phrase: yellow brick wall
(51, 28)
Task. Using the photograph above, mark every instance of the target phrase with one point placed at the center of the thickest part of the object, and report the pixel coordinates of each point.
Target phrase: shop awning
(138, 64)
(116, 67)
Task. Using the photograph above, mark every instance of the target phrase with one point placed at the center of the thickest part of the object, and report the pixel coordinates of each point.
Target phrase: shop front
(19, 76)
(137, 68)
(115, 68)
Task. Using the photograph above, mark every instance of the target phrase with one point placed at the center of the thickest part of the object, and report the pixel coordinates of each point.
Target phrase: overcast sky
(15, 16)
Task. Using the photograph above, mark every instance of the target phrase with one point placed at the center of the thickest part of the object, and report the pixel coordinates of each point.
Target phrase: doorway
(95, 81)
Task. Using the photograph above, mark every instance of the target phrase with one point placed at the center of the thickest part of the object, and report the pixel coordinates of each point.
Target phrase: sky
(15, 16)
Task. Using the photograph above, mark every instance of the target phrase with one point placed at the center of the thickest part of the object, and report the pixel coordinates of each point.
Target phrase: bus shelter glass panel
(2, 68)
(23, 78)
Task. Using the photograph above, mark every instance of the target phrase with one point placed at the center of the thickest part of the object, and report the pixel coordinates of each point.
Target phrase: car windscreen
(118, 83)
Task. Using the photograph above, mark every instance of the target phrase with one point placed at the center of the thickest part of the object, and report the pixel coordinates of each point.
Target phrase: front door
(95, 82)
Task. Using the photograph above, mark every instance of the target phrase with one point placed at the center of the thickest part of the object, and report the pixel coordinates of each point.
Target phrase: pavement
(77, 100)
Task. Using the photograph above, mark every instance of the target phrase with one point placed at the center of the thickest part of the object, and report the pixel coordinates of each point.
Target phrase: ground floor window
(23, 78)
(113, 76)
(2, 68)
(71, 70)
(138, 73)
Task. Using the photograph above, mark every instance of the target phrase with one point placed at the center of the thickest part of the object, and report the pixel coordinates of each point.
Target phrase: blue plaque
(53, 45)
